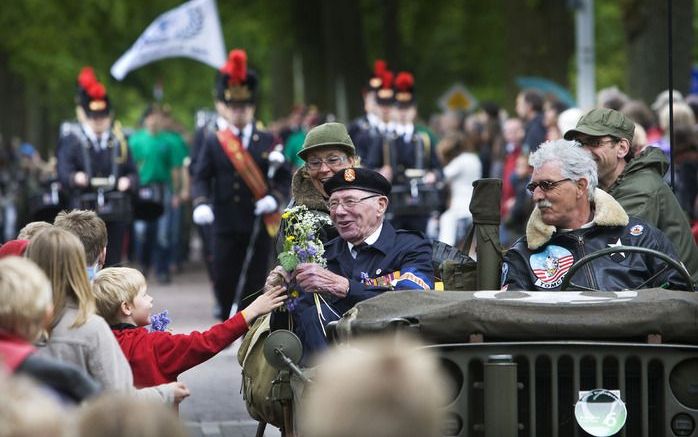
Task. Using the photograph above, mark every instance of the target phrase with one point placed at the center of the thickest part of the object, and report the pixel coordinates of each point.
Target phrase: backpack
(258, 375)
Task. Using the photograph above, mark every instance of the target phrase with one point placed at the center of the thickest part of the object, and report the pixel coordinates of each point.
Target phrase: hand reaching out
(272, 298)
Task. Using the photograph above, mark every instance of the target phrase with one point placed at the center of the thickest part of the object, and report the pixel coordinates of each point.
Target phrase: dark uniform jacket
(76, 152)
(398, 260)
(217, 182)
(417, 153)
(541, 259)
(368, 141)
(406, 252)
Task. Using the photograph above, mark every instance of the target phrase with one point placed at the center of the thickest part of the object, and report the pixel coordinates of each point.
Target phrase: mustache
(543, 204)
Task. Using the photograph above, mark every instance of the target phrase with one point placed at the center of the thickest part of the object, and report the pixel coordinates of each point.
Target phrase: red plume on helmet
(96, 91)
(379, 67)
(91, 94)
(404, 81)
(86, 77)
(387, 79)
(235, 83)
(238, 66)
(385, 94)
(404, 89)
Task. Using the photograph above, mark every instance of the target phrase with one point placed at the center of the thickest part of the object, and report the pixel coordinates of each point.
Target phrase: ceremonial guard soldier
(370, 131)
(364, 127)
(239, 186)
(408, 159)
(94, 164)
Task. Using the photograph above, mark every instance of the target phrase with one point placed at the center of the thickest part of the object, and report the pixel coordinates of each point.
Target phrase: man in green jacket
(636, 183)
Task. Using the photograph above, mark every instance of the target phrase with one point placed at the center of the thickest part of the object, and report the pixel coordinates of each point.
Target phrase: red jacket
(159, 357)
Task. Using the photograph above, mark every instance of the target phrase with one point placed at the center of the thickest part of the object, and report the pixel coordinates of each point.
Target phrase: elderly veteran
(368, 257)
(573, 218)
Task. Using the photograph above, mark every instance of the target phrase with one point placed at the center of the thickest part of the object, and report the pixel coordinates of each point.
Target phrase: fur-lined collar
(607, 212)
(305, 193)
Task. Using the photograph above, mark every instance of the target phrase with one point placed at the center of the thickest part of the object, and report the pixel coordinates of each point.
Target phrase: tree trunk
(539, 39)
(646, 38)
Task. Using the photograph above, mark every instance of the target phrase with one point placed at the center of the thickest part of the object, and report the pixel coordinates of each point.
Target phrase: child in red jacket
(158, 357)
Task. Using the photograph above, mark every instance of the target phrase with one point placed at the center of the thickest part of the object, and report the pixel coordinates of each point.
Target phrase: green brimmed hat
(328, 134)
(603, 121)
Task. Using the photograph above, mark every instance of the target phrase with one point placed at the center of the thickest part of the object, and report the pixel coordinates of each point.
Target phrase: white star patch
(617, 244)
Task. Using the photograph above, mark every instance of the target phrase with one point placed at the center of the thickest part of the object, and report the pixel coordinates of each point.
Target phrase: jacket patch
(637, 230)
(551, 265)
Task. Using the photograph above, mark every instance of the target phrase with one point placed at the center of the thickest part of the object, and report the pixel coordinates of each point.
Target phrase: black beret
(358, 179)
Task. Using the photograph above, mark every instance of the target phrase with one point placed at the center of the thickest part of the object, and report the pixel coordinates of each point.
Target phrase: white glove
(276, 158)
(203, 215)
(265, 205)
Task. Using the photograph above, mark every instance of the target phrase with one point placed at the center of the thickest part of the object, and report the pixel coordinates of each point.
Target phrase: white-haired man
(573, 218)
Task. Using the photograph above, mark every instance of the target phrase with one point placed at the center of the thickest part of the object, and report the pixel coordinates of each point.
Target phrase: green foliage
(481, 44)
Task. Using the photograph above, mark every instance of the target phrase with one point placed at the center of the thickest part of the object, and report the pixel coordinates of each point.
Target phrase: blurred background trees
(321, 52)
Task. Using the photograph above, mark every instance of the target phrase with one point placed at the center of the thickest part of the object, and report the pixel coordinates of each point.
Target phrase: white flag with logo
(191, 30)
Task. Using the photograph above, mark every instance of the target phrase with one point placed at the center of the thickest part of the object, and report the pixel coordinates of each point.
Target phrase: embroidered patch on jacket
(637, 230)
(550, 266)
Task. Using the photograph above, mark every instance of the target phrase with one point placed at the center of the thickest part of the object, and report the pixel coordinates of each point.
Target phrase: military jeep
(546, 363)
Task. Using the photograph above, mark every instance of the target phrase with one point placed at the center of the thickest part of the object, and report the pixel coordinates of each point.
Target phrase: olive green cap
(328, 134)
(601, 122)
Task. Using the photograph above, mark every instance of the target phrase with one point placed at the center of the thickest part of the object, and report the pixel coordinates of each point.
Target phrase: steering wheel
(567, 281)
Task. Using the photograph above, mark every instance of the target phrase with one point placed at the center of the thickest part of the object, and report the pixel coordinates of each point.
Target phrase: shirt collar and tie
(245, 135)
(98, 142)
(354, 249)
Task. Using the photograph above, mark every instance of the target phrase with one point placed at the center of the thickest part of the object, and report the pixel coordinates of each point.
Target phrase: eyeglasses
(332, 161)
(545, 185)
(594, 142)
(348, 204)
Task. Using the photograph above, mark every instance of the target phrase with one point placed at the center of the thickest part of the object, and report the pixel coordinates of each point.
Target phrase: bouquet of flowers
(301, 242)
(159, 321)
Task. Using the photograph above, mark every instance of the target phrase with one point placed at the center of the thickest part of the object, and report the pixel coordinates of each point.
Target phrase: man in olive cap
(636, 183)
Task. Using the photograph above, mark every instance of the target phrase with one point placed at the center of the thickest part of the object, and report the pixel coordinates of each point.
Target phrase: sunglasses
(545, 185)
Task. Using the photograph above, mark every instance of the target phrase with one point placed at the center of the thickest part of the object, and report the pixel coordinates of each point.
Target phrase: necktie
(358, 248)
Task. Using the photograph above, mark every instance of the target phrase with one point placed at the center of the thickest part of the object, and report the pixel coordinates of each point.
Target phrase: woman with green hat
(326, 150)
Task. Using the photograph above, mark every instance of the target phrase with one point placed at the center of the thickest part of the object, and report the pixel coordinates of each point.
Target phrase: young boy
(158, 357)
(25, 307)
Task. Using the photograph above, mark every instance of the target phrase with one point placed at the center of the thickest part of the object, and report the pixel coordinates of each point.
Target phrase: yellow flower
(285, 215)
(290, 238)
(295, 294)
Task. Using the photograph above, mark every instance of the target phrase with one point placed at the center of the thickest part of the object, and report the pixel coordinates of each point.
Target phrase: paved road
(215, 407)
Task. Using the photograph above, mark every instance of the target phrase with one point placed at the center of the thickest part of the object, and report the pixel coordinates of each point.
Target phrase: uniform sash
(246, 166)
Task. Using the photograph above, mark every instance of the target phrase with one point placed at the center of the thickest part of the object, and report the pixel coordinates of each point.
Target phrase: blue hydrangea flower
(159, 322)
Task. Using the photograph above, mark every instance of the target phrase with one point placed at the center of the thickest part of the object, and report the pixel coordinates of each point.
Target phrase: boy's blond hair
(25, 297)
(30, 230)
(114, 286)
